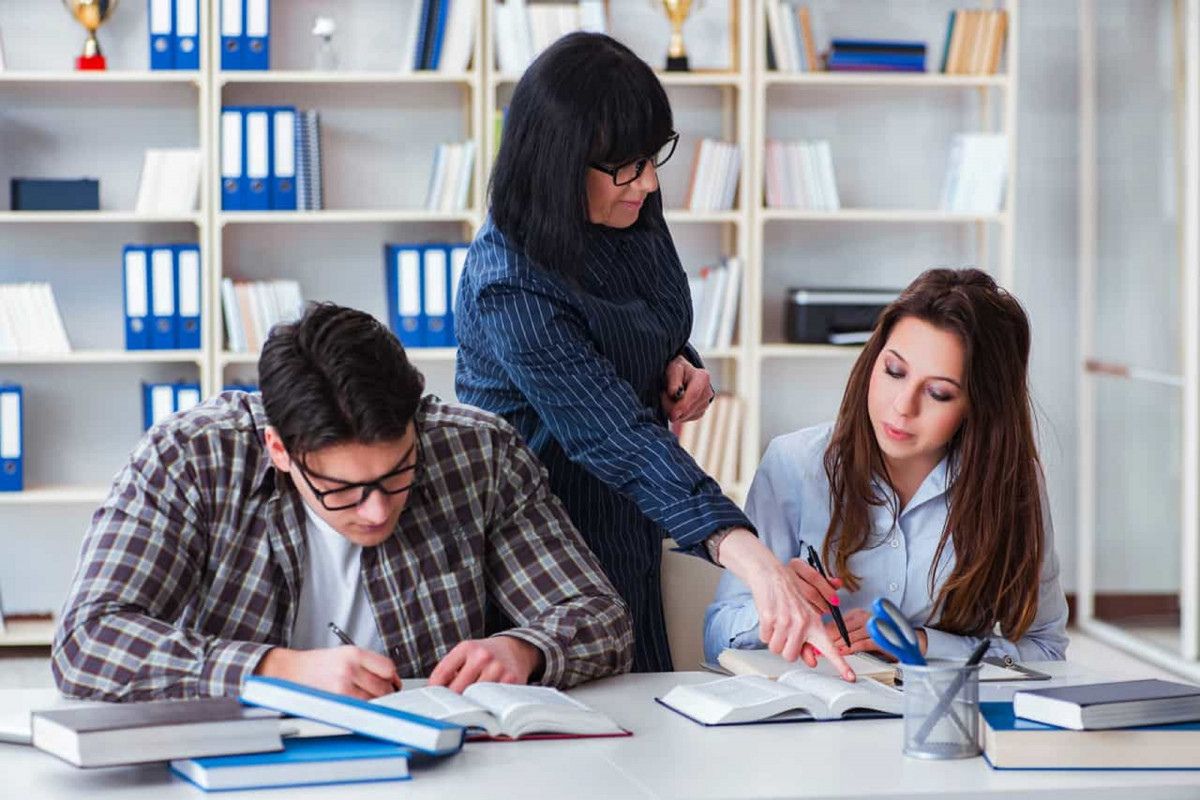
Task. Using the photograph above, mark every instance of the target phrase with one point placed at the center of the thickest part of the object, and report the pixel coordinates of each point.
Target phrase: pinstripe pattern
(191, 569)
(579, 370)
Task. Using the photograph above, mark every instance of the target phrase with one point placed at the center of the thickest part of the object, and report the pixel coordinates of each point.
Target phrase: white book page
(743, 698)
(542, 709)
(840, 696)
(439, 702)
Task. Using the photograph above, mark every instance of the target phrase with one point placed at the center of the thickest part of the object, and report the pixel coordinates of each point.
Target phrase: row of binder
(258, 158)
(422, 284)
(245, 34)
(161, 400)
(12, 424)
(174, 34)
(162, 296)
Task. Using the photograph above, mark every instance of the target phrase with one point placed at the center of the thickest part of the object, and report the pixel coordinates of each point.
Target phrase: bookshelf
(380, 126)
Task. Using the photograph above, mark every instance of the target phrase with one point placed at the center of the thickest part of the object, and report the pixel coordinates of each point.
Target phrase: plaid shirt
(191, 569)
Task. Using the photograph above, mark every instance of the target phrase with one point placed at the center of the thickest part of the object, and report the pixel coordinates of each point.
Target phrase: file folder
(233, 173)
(256, 52)
(232, 34)
(163, 298)
(12, 446)
(283, 159)
(158, 403)
(404, 294)
(256, 140)
(187, 279)
(162, 34)
(137, 298)
(458, 262)
(186, 395)
(435, 275)
(187, 34)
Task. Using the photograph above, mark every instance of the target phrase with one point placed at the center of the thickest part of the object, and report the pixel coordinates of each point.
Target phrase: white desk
(668, 756)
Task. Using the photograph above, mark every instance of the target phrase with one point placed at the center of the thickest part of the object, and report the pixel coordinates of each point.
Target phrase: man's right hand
(344, 670)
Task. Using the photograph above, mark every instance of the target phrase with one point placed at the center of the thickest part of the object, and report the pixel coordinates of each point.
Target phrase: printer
(834, 316)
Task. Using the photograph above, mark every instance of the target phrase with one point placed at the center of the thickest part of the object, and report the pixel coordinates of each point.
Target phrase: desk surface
(668, 756)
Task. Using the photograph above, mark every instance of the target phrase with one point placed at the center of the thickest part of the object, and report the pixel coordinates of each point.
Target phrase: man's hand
(689, 391)
(343, 670)
(499, 659)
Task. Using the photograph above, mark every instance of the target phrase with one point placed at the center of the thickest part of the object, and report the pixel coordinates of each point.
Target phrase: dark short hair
(337, 375)
(586, 98)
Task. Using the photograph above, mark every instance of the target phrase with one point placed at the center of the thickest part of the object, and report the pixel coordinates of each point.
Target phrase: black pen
(815, 563)
(341, 634)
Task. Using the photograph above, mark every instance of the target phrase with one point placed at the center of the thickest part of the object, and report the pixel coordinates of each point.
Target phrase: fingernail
(815, 650)
(833, 600)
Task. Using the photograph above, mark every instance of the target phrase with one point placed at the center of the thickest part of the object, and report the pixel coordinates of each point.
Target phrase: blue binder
(164, 298)
(256, 48)
(256, 159)
(12, 435)
(186, 395)
(283, 158)
(158, 403)
(233, 159)
(233, 15)
(187, 34)
(188, 290)
(404, 294)
(458, 262)
(135, 270)
(435, 298)
(161, 20)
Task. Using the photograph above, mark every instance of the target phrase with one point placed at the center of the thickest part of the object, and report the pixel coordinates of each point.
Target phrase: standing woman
(573, 317)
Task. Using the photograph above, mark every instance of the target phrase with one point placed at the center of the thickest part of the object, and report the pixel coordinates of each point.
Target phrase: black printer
(834, 316)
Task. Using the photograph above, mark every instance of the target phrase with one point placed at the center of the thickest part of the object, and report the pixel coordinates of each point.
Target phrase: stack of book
(876, 55)
(714, 180)
(29, 320)
(977, 174)
(524, 29)
(270, 159)
(170, 182)
(450, 178)
(715, 293)
(791, 44)
(441, 35)
(974, 42)
(713, 440)
(800, 175)
(161, 400)
(252, 308)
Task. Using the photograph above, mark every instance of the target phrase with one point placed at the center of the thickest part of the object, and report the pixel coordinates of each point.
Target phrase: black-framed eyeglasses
(349, 495)
(629, 172)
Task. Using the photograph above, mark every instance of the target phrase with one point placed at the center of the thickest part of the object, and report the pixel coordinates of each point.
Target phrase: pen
(341, 634)
(815, 563)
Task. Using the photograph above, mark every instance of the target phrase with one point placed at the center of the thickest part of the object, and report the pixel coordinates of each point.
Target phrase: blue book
(256, 47)
(188, 283)
(12, 438)
(423, 34)
(233, 16)
(1010, 742)
(161, 22)
(358, 716)
(187, 34)
(135, 270)
(877, 44)
(301, 762)
(839, 57)
(439, 33)
(283, 158)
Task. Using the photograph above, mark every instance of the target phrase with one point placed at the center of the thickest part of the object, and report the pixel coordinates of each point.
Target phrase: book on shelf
(523, 29)
(875, 55)
(792, 47)
(301, 762)
(135, 733)
(796, 696)
(170, 181)
(162, 288)
(450, 177)
(245, 30)
(310, 188)
(270, 159)
(713, 184)
(30, 322)
(713, 440)
(974, 43)
(1119, 704)
(422, 291)
(174, 34)
(440, 35)
(715, 290)
(358, 716)
(252, 308)
(799, 175)
(1010, 742)
(506, 711)
(976, 174)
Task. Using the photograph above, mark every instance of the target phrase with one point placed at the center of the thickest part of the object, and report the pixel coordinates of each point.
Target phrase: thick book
(1099, 706)
(794, 697)
(1010, 742)
(301, 762)
(766, 664)
(506, 711)
(369, 719)
(135, 733)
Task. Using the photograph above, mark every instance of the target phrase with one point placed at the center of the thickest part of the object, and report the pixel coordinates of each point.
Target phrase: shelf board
(55, 495)
(327, 216)
(715, 79)
(105, 76)
(683, 216)
(427, 354)
(74, 217)
(363, 77)
(106, 357)
(877, 215)
(866, 79)
(28, 633)
(721, 354)
(808, 351)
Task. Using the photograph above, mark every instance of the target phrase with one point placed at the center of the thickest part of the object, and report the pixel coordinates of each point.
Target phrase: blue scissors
(891, 631)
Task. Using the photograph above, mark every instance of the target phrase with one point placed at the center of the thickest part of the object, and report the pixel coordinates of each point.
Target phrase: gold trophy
(677, 12)
(91, 15)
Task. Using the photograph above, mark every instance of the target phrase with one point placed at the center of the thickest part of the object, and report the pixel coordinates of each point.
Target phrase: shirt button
(893, 586)
(895, 542)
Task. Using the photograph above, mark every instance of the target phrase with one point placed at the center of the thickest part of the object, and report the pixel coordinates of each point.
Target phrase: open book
(795, 696)
(506, 710)
(769, 665)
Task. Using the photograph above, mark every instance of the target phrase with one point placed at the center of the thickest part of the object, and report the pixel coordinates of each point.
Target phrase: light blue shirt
(789, 504)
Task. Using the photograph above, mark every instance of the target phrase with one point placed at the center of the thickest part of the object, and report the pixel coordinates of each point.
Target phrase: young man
(241, 529)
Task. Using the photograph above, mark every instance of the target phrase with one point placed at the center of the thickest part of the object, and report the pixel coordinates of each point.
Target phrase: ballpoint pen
(341, 635)
(815, 562)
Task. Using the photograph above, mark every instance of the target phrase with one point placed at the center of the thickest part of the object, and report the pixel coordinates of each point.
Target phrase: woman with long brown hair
(927, 489)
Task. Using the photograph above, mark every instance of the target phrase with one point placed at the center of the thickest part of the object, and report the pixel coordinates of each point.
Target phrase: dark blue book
(839, 58)
(1120, 704)
(883, 45)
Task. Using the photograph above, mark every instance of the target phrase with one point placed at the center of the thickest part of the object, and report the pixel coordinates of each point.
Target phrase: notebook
(1120, 704)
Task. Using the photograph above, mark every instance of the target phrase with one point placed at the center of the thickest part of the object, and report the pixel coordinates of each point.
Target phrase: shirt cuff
(939, 644)
(555, 667)
(228, 665)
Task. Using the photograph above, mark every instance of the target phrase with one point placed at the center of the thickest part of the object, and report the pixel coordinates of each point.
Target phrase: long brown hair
(995, 509)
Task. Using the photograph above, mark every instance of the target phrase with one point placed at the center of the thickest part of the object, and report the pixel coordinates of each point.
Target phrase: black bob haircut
(337, 375)
(586, 98)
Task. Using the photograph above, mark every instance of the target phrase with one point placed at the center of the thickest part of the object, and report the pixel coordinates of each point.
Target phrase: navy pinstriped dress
(579, 369)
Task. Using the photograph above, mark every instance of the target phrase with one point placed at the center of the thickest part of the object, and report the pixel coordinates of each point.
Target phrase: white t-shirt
(332, 591)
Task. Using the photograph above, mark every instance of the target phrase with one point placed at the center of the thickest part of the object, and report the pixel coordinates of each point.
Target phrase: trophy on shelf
(91, 15)
(677, 12)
